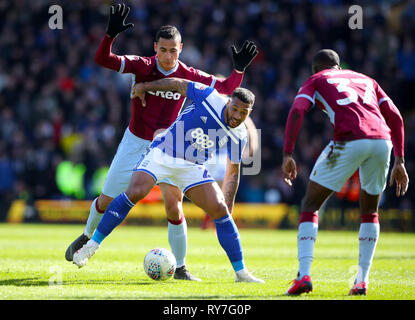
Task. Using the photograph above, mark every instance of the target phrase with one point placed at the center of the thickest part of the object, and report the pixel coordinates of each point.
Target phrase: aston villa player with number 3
(366, 126)
(162, 108)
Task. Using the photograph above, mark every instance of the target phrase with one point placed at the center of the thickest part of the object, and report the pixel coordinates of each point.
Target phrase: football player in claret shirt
(162, 108)
(212, 122)
(367, 125)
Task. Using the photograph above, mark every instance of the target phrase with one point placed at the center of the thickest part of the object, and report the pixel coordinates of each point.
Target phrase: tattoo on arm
(230, 185)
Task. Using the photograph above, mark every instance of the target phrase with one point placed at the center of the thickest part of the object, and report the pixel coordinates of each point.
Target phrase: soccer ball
(159, 264)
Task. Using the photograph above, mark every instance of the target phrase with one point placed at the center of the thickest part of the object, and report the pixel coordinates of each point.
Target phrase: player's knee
(136, 192)
(173, 210)
(309, 204)
(103, 202)
(218, 210)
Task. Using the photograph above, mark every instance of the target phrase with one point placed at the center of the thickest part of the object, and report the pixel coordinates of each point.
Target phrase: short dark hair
(168, 32)
(325, 59)
(244, 95)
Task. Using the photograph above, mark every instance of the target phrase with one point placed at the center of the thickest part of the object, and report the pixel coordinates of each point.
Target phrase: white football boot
(80, 257)
(244, 276)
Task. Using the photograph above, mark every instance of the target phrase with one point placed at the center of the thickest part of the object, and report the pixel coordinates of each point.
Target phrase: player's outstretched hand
(399, 175)
(116, 21)
(138, 92)
(289, 169)
(242, 58)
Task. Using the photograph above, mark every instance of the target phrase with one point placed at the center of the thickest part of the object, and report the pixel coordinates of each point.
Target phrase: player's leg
(209, 197)
(207, 220)
(216, 167)
(368, 235)
(314, 198)
(177, 229)
(335, 165)
(116, 182)
(96, 212)
(140, 185)
(373, 175)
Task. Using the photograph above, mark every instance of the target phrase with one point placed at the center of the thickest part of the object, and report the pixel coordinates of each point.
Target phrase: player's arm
(295, 118)
(395, 122)
(116, 24)
(230, 183)
(166, 84)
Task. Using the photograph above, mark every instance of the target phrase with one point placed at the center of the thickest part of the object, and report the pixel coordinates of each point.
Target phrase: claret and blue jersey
(200, 130)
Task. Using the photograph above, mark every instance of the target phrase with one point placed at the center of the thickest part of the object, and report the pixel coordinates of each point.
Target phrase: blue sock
(228, 236)
(113, 216)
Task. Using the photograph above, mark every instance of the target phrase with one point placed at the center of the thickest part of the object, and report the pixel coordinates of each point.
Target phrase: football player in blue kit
(211, 122)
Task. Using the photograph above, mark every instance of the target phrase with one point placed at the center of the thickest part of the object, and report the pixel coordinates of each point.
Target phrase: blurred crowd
(56, 104)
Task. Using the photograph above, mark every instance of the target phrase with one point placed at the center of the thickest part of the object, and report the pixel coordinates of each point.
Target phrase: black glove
(243, 58)
(117, 19)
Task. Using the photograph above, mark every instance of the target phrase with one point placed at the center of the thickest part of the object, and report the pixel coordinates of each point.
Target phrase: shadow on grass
(24, 282)
(39, 282)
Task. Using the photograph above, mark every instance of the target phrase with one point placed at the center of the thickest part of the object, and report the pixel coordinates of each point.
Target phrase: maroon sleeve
(104, 57)
(393, 119)
(295, 118)
(222, 85)
(123, 64)
(228, 85)
(395, 122)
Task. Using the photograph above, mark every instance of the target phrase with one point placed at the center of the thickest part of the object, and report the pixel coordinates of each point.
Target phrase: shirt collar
(167, 73)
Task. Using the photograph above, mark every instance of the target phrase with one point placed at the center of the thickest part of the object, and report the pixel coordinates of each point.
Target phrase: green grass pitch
(32, 265)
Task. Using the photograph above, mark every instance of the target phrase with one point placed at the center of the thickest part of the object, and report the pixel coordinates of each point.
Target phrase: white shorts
(119, 174)
(182, 173)
(339, 160)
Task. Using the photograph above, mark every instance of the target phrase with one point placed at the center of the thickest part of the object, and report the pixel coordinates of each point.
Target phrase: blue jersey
(200, 130)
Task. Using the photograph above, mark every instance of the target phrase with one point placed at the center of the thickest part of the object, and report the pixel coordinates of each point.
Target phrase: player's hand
(242, 58)
(116, 21)
(399, 175)
(139, 92)
(289, 169)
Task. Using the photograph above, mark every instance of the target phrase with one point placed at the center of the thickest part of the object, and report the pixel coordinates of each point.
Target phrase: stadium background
(62, 116)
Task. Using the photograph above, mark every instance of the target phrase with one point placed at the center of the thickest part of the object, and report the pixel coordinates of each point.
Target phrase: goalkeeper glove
(117, 19)
(244, 57)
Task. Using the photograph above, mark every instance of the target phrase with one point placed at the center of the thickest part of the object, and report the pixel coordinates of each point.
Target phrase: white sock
(368, 237)
(306, 237)
(177, 235)
(93, 220)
